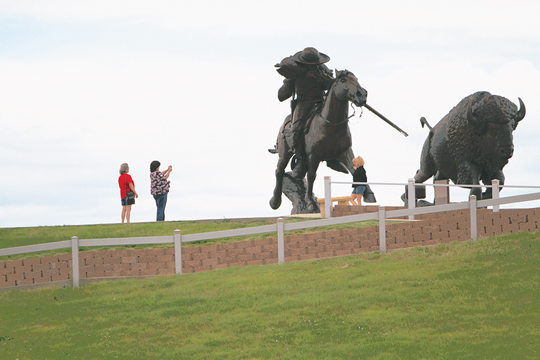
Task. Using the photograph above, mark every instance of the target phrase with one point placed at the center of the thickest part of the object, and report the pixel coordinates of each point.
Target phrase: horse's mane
(341, 74)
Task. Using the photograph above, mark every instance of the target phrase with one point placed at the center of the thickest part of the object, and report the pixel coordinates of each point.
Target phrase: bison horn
(521, 112)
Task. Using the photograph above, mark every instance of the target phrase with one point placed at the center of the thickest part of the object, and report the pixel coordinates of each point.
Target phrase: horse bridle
(336, 83)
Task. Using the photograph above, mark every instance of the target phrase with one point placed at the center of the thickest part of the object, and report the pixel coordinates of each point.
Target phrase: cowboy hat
(311, 56)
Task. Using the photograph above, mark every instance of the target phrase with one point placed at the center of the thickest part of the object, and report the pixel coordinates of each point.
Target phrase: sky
(88, 85)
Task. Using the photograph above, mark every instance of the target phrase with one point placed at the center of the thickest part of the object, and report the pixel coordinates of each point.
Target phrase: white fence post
(474, 225)
(178, 251)
(495, 193)
(411, 195)
(75, 260)
(327, 197)
(382, 230)
(281, 241)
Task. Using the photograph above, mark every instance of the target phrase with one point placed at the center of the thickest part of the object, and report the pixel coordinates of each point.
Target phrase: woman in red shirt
(126, 184)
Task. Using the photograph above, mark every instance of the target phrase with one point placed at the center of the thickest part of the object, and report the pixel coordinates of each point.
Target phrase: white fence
(411, 189)
(280, 227)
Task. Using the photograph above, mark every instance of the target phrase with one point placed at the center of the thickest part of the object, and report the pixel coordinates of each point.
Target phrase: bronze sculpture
(472, 143)
(327, 136)
(308, 78)
(317, 129)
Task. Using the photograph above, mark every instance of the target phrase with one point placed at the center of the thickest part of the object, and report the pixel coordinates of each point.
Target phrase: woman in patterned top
(159, 187)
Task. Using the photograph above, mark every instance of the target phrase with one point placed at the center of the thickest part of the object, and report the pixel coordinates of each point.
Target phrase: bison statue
(472, 143)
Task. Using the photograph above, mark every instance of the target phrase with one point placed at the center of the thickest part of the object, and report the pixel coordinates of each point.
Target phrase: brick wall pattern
(430, 229)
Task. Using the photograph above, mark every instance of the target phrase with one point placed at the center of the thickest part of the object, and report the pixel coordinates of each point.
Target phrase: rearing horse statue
(328, 138)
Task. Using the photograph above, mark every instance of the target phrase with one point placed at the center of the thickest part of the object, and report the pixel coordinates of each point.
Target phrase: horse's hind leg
(284, 158)
(313, 165)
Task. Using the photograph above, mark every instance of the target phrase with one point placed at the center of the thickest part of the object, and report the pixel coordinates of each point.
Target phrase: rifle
(385, 119)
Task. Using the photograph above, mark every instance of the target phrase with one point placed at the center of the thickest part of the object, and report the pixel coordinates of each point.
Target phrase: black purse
(130, 196)
(369, 196)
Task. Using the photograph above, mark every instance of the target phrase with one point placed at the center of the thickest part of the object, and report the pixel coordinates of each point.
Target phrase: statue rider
(307, 77)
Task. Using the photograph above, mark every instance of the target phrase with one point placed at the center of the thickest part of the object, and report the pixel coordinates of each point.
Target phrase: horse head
(346, 87)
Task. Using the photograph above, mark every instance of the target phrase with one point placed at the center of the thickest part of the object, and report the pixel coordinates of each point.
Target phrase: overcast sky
(88, 85)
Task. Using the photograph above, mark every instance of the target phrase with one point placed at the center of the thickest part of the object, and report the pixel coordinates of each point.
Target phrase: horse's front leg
(284, 157)
(313, 165)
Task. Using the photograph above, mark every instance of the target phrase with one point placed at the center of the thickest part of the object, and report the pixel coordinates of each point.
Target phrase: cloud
(418, 20)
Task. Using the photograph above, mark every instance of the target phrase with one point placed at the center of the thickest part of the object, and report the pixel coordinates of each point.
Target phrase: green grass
(12, 237)
(451, 301)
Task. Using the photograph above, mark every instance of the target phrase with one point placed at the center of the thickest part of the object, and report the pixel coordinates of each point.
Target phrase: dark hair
(154, 165)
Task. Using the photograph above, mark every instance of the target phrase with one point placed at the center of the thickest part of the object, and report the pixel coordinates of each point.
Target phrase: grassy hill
(451, 301)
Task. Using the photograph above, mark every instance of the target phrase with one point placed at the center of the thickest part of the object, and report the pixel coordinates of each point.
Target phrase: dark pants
(161, 201)
(301, 112)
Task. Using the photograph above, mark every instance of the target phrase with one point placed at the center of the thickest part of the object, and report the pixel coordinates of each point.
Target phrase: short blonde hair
(358, 161)
(123, 168)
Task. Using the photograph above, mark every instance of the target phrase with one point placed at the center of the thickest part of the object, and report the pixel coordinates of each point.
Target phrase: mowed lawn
(451, 301)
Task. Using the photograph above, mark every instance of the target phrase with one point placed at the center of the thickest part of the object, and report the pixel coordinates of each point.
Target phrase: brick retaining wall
(430, 229)
(35, 271)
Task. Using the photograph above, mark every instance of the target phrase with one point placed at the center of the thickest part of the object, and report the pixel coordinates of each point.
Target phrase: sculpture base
(295, 190)
(419, 203)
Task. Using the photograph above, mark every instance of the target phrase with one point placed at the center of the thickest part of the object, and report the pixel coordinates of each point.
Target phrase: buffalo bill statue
(472, 143)
(307, 77)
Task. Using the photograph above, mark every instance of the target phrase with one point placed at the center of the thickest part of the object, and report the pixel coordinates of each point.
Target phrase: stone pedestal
(442, 193)
(295, 191)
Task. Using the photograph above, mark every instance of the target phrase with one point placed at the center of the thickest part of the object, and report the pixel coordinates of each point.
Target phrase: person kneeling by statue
(307, 77)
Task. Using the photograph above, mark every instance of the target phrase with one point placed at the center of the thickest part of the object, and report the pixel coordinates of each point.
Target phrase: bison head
(493, 119)
(496, 110)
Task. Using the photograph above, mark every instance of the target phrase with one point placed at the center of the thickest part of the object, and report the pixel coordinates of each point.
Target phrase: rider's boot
(299, 170)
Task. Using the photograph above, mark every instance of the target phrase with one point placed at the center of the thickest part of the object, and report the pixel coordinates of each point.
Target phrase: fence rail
(229, 233)
(411, 189)
(128, 241)
(280, 227)
(35, 248)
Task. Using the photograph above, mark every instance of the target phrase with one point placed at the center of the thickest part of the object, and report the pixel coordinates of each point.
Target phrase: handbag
(130, 196)
(369, 196)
